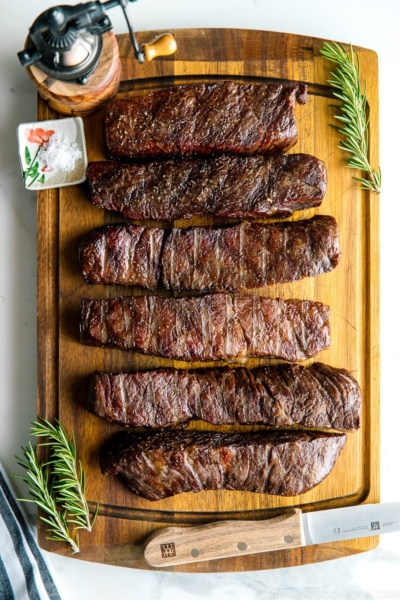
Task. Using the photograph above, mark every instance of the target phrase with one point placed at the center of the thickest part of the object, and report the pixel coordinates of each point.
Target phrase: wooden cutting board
(352, 291)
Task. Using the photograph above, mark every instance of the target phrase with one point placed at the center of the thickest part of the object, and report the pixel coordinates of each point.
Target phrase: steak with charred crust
(243, 187)
(214, 327)
(279, 396)
(204, 120)
(159, 465)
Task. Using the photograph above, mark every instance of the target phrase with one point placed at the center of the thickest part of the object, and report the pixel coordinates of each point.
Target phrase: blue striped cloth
(24, 572)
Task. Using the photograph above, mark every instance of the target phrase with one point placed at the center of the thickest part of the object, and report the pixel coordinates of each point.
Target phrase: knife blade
(181, 545)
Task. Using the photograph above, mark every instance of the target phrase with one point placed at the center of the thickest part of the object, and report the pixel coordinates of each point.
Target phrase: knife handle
(180, 545)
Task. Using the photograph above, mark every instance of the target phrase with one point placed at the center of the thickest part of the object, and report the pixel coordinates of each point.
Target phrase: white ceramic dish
(31, 137)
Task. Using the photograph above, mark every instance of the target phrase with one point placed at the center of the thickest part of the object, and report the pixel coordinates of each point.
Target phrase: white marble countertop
(369, 23)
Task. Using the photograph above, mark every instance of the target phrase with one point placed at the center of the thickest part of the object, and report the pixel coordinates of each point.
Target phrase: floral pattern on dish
(33, 171)
(39, 153)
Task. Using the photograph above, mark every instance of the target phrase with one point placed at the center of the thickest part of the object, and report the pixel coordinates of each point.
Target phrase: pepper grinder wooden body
(71, 98)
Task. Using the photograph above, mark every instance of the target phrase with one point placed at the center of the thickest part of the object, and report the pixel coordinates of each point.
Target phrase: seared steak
(224, 186)
(123, 254)
(214, 327)
(249, 256)
(211, 259)
(280, 396)
(159, 465)
(205, 119)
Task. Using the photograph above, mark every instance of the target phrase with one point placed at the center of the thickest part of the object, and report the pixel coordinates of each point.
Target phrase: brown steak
(280, 396)
(122, 254)
(160, 465)
(247, 256)
(205, 119)
(208, 259)
(214, 327)
(225, 186)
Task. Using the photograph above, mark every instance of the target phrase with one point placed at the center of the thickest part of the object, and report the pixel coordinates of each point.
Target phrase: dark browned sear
(279, 396)
(213, 327)
(158, 465)
(209, 259)
(122, 254)
(203, 120)
(247, 256)
(226, 186)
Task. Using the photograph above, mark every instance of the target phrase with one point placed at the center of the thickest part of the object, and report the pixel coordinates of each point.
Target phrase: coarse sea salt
(59, 153)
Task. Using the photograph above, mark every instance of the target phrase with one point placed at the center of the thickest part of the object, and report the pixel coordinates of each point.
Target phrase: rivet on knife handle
(181, 545)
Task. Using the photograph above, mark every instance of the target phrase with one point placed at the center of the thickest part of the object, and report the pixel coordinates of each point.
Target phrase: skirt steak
(214, 327)
(159, 465)
(243, 187)
(205, 119)
(279, 396)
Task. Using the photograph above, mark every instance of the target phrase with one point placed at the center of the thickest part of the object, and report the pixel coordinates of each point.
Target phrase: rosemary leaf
(354, 118)
(37, 478)
(69, 482)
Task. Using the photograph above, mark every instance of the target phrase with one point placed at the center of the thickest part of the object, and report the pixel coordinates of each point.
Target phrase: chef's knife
(181, 545)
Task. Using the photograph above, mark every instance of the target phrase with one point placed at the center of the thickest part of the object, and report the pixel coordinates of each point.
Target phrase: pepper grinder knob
(163, 45)
(56, 17)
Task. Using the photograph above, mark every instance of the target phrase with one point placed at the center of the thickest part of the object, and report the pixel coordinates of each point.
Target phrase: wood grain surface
(352, 291)
(183, 545)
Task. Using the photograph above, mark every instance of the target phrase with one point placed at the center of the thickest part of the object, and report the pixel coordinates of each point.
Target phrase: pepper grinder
(72, 55)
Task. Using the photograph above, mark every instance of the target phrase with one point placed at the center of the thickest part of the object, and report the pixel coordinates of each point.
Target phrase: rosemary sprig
(37, 478)
(70, 481)
(346, 80)
(58, 486)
